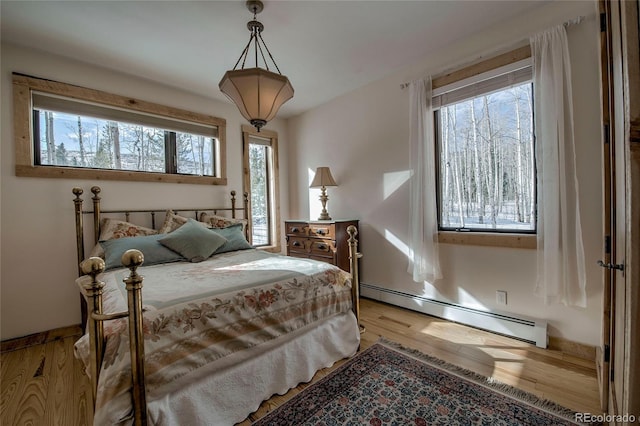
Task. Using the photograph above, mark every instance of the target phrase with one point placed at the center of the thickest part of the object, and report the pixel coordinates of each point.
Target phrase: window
(261, 182)
(83, 133)
(486, 170)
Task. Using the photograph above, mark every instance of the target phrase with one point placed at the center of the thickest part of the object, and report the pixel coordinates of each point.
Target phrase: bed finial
(233, 203)
(92, 266)
(132, 259)
(96, 190)
(77, 191)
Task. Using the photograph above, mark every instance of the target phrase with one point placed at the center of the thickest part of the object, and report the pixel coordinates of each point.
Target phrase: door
(621, 114)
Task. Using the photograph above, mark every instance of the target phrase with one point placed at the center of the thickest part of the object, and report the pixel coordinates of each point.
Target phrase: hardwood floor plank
(20, 369)
(81, 395)
(60, 374)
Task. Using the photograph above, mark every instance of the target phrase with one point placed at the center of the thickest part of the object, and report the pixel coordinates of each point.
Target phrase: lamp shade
(322, 178)
(257, 93)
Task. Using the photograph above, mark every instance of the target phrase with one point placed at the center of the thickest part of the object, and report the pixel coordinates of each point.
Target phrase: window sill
(122, 175)
(523, 241)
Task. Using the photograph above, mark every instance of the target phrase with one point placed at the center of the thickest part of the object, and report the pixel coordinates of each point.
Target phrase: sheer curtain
(424, 262)
(561, 270)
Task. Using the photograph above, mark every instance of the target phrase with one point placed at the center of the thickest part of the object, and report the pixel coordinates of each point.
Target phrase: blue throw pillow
(234, 236)
(193, 241)
(154, 252)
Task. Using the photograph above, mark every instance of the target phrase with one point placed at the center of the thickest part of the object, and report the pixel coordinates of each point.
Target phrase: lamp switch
(501, 297)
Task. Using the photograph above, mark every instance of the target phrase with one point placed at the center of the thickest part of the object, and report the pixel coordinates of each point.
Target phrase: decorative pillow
(235, 238)
(193, 241)
(220, 221)
(111, 229)
(154, 252)
(172, 222)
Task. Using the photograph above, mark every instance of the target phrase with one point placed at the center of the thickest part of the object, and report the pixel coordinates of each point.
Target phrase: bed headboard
(96, 213)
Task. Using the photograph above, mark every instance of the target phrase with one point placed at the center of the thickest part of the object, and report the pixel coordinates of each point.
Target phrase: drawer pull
(296, 244)
(295, 229)
(322, 246)
(321, 231)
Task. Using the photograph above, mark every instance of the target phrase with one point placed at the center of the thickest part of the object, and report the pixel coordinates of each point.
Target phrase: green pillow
(193, 241)
(234, 236)
(153, 251)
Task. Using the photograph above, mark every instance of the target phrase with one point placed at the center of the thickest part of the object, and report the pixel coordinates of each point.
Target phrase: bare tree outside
(487, 175)
(78, 141)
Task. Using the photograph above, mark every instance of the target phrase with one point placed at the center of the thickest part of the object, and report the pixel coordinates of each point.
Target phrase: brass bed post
(79, 227)
(132, 259)
(233, 204)
(355, 277)
(96, 213)
(93, 291)
(248, 229)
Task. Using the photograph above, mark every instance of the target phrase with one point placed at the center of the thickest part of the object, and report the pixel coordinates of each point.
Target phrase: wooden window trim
(508, 240)
(22, 106)
(478, 68)
(248, 131)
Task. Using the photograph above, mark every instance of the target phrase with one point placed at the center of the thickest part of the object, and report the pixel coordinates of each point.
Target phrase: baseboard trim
(10, 345)
(531, 330)
(579, 350)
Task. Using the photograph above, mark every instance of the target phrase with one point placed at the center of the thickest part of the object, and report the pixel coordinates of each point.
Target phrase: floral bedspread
(198, 313)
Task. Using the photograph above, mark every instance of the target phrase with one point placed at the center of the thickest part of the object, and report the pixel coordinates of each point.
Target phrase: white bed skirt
(234, 387)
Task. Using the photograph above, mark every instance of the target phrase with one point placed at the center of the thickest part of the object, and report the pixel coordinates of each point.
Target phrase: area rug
(390, 385)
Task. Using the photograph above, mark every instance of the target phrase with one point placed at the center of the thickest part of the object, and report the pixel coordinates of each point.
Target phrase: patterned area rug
(389, 385)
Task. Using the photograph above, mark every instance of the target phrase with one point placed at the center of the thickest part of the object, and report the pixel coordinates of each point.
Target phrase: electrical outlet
(501, 297)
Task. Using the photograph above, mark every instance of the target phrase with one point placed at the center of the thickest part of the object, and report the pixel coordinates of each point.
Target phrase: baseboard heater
(528, 329)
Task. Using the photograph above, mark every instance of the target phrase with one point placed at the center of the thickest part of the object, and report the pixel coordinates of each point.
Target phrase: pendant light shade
(257, 92)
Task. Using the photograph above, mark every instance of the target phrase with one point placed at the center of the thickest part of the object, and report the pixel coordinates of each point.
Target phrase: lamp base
(324, 216)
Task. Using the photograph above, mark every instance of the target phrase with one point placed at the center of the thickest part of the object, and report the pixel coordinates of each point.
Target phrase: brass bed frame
(92, 312)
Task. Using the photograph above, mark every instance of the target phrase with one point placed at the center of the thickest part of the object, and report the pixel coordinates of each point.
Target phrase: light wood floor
(45, 385)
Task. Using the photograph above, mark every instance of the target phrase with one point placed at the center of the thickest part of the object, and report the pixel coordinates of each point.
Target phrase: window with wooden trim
(260, 164)
(485, 147)
(69, 131)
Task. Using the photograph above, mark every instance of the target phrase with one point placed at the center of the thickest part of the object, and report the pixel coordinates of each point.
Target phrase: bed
(207, 338)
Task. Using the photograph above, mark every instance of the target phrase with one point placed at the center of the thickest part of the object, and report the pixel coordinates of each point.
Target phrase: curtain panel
(561, 276)
(424, 261)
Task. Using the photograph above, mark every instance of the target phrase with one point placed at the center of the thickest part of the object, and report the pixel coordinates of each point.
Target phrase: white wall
(38, 259)
(363, 137)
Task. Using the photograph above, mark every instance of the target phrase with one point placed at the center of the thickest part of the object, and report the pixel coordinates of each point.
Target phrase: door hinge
(607, 353)
(603, 22)
(607, 244)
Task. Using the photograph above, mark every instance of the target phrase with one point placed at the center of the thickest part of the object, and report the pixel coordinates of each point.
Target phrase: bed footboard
(94, 266)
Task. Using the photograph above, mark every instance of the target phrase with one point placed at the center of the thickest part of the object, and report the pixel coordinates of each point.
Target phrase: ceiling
(326, 48)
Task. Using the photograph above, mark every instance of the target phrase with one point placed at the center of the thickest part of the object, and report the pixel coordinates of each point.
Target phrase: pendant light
(257, 92)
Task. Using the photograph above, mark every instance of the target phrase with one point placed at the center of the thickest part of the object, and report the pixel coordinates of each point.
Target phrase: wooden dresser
(325, 240)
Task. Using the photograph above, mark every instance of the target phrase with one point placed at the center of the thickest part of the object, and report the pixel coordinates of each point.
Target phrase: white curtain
(424, 262)
(561, 270)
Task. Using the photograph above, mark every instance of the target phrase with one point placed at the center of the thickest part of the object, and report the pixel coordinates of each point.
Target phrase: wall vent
(528, 329)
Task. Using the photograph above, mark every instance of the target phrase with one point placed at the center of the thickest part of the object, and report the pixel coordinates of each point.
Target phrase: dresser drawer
(297, 244)
(295, 228)
(322, 230)
(322, 247)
